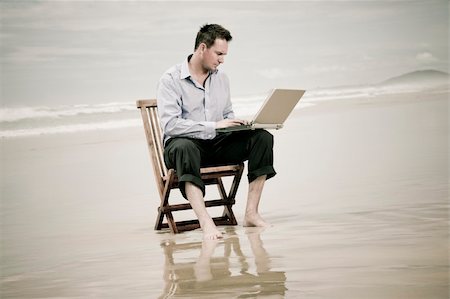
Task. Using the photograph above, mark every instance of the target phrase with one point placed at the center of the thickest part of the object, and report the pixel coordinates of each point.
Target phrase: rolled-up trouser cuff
(192, 179)
(269, 171)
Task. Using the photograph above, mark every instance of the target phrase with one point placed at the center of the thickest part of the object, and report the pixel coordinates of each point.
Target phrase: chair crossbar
(187, 206)
(187, 225)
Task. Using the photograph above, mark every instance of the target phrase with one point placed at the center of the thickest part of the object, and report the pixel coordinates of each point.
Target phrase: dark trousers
(187, 155)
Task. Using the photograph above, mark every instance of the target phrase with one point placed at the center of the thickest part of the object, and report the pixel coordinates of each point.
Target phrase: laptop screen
(278, 106)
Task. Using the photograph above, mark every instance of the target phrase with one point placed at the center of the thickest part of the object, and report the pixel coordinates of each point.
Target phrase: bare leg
(195, 197)
(252, 217)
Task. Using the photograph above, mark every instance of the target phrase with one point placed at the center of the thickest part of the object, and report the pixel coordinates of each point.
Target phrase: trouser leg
(256, 146)
(185, 156)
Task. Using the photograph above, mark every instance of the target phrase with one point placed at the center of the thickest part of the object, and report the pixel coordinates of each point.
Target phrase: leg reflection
(262, 259)
(215, 267)
(202, 267)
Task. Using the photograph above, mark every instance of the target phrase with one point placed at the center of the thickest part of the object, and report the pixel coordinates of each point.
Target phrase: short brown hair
(209, 33)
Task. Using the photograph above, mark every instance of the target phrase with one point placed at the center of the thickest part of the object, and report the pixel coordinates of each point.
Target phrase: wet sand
(359, 210)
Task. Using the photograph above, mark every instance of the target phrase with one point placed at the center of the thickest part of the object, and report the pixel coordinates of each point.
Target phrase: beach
(359, 209)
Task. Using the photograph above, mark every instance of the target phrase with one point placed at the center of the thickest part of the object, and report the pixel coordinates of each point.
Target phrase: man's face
(214, 56)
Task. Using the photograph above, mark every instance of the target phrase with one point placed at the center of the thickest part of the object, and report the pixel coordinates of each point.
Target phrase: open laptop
(273, 113)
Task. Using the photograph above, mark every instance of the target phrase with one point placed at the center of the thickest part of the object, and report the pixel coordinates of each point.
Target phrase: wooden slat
(155, 153)
(187, 225)
(156, 135)
(146, 103)
(219, 171)
(151, 145)
(187, 206)
(216, 169)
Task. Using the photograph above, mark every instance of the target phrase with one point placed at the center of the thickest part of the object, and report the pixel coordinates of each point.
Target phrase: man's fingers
(236, 122)
(231, 122)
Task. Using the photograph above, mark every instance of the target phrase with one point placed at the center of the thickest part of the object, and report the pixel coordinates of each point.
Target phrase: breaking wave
(34, 121)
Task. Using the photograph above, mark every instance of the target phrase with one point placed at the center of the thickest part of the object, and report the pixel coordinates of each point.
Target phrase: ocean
(16, 122)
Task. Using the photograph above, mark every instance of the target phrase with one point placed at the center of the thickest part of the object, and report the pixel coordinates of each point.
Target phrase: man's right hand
(225, 123)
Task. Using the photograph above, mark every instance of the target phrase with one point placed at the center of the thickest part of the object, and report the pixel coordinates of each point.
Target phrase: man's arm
(170, 113)
(228, 113)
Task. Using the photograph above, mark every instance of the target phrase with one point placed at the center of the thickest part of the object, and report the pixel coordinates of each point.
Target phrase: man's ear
(202, 47)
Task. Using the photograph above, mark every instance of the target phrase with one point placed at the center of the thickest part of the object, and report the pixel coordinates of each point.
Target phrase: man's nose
(221, 59)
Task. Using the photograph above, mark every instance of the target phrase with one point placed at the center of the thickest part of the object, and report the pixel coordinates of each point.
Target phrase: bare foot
(254, 219)
(210, 231)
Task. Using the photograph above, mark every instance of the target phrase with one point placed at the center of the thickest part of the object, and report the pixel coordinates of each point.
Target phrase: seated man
(193, 100)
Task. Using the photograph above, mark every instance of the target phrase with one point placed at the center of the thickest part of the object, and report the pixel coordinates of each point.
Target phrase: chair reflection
(204, 273)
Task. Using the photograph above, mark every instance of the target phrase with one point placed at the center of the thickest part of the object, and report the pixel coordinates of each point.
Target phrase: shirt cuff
(210, 131)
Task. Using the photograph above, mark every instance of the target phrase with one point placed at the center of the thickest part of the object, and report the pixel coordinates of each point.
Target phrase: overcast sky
(70, 52)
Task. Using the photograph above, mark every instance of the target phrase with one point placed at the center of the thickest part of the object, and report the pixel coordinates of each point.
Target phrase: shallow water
(391, 253)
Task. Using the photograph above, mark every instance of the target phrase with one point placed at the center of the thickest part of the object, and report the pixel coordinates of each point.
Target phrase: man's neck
(198, 72)
(195, 67)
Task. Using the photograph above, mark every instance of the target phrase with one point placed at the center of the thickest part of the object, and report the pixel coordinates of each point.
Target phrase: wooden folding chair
(166, 179)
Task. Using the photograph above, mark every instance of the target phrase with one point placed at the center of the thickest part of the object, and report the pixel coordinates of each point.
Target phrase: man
(193, 100)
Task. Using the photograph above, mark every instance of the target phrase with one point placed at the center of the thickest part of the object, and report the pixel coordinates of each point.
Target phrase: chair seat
(215, 171)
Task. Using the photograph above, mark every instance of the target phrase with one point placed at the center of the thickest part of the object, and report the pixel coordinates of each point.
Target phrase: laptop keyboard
(234, 128)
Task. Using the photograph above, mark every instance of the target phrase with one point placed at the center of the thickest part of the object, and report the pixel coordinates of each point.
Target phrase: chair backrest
(150, 118)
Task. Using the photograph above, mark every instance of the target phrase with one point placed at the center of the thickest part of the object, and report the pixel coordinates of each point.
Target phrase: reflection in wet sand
(222, 269)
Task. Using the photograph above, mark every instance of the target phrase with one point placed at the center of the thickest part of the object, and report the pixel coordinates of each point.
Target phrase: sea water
(22, 121)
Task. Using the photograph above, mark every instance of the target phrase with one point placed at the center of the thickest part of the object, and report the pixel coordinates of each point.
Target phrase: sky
(89, 52)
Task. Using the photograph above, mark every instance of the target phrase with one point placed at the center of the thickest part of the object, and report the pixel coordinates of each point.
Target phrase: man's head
(211, 45)
(209, 33)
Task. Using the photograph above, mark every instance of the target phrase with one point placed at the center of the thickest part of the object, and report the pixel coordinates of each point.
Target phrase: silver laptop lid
(278, 105)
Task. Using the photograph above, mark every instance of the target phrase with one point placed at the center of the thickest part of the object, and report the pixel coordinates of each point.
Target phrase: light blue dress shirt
(188, 109)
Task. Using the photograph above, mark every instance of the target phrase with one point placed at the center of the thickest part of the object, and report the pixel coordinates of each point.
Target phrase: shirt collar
(185, 68)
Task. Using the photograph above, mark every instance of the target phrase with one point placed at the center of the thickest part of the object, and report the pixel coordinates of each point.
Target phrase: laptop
(273, 113)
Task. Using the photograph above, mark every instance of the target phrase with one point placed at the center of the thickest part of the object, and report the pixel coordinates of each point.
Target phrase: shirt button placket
(206, 104)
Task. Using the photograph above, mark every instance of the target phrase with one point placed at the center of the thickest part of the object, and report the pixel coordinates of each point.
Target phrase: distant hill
(427, 77)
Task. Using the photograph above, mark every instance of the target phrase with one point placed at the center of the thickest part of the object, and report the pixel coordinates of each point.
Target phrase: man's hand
(225, 123)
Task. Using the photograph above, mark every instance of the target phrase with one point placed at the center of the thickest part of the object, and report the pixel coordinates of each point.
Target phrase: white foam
(27, 113)
(107, 125)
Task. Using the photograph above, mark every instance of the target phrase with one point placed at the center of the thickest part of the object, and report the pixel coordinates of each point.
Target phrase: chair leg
(235, 184)
(227, 209)
(170, 221)
(172, 224)
(164, 203)
(159, 220)
(228, 213)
